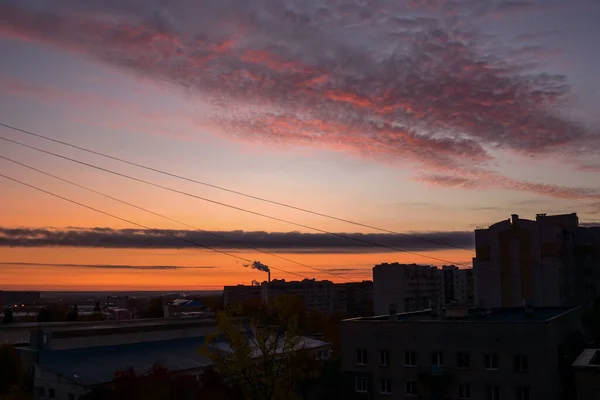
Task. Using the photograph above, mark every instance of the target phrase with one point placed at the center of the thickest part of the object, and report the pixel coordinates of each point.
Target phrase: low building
(69, 360)
(406, 287)
(458, 353)
(587, 375)
(19, 298)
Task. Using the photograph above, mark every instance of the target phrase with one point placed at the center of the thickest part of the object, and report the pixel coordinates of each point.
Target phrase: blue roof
(95, 365)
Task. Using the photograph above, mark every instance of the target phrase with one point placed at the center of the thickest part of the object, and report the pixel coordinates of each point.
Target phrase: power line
(340, 235)
(140, 225)
(281, 204)
(172, 219)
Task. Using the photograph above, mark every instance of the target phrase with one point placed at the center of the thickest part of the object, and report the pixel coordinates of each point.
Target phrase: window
(491, 361)
(360, 384)
(51, 393)
(522, 393)
(410, 358)
(463, 360)
(411, 388)
(361, 357)
(384, 358)
(464, 391)
(437, 358)
(492, 393)
(386, 386)
(41, 392)
(521, 363)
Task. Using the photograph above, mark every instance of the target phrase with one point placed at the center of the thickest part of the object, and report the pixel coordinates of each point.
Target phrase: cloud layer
(275, 241)
(403, 82)
(107, 266)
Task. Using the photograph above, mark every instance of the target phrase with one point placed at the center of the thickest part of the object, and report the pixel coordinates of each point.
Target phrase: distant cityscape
(507, 328)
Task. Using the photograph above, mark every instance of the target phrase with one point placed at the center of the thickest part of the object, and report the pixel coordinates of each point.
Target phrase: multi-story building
(457, 285)
(406, 287)
(240, 293)
(459, 353)
(354, 298)
(318, 295)
(550, 261)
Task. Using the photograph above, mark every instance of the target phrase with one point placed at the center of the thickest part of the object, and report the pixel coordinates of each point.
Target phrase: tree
(263, 357)
(11, 370)
(8, 316)
(52, 313)
(73, 314)
(157, 383)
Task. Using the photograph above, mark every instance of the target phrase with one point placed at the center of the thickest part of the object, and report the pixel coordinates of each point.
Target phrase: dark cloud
(107, 266)
(276, 241)
(365, 77)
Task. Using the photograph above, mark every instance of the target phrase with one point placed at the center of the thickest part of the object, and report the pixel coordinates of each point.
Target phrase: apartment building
(406, 287)
(240, 293)
(458, 288)
(354, 298)
(464, 354)
(318, 295)
(550, 261)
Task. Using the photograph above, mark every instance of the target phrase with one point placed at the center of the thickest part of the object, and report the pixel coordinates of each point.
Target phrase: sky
(426, 118)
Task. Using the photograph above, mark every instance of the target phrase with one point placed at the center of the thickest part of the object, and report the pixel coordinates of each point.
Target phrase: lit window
(360, 384)
(361, 357)
(491, 361)
(384, 358)
(410, 358)
(386, 386)
(411, 388)
(464, 391)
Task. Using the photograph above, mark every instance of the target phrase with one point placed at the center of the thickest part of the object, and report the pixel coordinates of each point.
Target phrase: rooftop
(94, 365)
(589, 358)
(517, 314)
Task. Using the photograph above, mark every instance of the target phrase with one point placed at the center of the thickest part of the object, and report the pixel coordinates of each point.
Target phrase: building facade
(586, 370)
(240, 293)
(406, 287)
(318, 295)
(458, 286)
(354, 299)
(506, 353)
(550, 261)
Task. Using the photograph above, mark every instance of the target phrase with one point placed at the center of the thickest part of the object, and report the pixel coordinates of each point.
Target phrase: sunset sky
(427, 117)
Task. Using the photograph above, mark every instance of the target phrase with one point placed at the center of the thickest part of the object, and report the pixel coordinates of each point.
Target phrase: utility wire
(305, 210)
(340, 235)
(172, 219)
(140, 225)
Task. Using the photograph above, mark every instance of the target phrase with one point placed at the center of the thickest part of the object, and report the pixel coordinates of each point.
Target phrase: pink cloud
(290, 77)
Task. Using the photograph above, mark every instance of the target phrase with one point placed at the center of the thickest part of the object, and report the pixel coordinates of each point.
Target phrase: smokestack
(269, 276)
